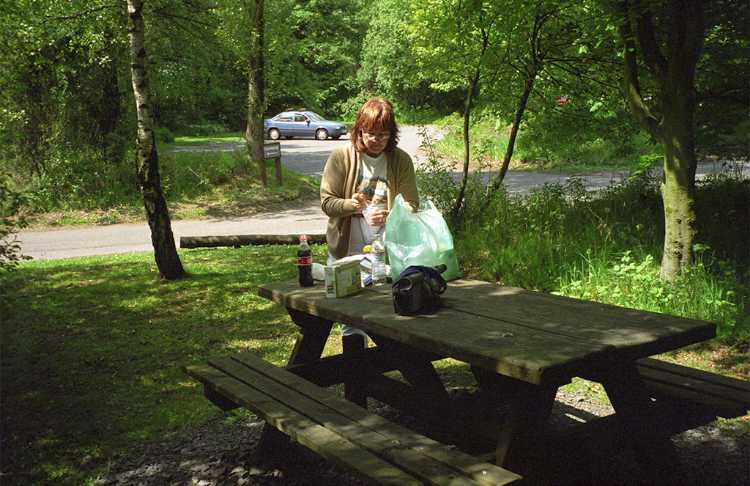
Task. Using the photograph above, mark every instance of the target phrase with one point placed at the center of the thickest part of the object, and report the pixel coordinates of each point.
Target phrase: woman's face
(375, 142)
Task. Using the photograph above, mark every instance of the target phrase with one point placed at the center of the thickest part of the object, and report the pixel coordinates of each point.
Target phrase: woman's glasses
(377, 136)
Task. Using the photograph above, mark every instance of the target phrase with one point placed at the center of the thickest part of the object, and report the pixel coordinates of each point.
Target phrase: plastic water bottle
(378, 261)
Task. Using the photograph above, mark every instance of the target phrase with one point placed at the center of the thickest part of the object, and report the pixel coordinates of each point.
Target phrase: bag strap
(430, 272)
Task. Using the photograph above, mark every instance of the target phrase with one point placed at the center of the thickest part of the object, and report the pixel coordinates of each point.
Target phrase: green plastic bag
(419, 238)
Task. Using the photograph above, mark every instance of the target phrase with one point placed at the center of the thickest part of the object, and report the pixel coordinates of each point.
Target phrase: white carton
(342, 279)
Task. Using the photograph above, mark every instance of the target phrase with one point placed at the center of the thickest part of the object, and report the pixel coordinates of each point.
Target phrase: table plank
(532, 355)
(632, 333)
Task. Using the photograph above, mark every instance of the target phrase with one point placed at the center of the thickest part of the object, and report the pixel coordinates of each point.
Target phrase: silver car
(302, 124)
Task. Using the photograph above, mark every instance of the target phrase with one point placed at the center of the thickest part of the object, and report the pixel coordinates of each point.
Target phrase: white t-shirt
(372, 181)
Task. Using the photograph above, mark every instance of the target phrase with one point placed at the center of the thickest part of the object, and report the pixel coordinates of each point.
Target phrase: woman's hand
(359, 201)
(376, 217)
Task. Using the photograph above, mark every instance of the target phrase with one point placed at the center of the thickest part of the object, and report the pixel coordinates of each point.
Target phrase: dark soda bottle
(304, 262)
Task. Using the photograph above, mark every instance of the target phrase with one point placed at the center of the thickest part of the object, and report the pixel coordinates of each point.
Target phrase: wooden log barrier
(244, 240)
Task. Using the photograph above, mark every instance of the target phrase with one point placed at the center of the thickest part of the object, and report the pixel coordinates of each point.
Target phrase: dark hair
(376, 115)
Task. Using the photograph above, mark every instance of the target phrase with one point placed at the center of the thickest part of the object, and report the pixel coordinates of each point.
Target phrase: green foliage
(630, 282)
(551, 145)
(604, 246)
(722, 78)
(196, 184)
(80, 178)
(86, 378)
(10, 222)
(163, 135)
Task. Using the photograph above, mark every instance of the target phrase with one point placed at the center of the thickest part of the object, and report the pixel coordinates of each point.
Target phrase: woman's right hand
(359, 200)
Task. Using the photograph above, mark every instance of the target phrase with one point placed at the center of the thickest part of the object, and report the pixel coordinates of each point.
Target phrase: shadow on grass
(93, 352)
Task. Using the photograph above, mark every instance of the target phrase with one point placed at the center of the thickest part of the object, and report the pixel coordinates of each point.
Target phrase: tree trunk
(467, 147)
(673, 68)
(527, 89)
(147, 167)
(678, 188)
(256, 85)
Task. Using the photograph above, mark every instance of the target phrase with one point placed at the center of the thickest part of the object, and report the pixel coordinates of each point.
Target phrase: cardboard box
(342, 279)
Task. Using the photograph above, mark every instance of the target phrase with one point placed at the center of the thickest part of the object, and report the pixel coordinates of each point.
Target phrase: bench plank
(300, 428)
(729, 395)
(397, 445)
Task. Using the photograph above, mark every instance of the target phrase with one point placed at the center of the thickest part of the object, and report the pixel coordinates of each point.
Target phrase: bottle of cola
(304, 262)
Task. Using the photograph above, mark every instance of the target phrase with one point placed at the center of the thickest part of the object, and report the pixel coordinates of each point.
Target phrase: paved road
(309, 156)
(304, 156)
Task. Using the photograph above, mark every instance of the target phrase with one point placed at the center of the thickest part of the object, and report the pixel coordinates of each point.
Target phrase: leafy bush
(605, 245)
(634, 282)
(81, 178)
(10, 222)
(164, 135)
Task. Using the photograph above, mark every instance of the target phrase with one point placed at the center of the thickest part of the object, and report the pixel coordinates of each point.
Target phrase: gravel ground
(225, 452)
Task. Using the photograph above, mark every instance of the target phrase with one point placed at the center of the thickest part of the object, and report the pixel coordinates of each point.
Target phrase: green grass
(607, 246)
(222, 138)
(197, 185)
(489, 143)
(93, 351)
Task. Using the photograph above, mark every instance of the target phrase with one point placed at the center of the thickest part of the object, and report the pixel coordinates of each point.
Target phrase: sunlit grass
(198, 185)
(489, 143)
(229, 137)
(93, 351)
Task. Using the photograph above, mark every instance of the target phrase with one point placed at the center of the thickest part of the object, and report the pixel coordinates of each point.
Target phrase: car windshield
(314, 116)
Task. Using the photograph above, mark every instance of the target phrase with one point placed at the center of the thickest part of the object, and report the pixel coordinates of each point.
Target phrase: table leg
(355, 386)
(520, 444)
(416, 367)
(313, 333)
(635, 412)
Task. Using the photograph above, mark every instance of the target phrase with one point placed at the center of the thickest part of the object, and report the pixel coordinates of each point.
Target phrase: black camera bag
(418, 289)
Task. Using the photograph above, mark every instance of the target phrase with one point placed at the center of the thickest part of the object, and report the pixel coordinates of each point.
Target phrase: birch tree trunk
(671, 122)
(256, 86)
(147, 167)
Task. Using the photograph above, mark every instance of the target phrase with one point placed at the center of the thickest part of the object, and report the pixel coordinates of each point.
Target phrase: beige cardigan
(338, 184)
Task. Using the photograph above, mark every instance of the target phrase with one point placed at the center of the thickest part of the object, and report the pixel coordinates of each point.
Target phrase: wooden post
(272, 150)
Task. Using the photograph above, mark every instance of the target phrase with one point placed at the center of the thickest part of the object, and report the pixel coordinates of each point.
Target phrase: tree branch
(641, 16)
(632, 84)
(82, 13)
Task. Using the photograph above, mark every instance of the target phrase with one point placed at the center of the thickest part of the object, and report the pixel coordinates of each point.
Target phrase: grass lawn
(488, 146)
(198, 185)
(93, 351)
(221, 138)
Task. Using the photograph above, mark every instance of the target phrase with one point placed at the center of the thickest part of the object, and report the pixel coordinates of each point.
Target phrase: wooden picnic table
(521, 346)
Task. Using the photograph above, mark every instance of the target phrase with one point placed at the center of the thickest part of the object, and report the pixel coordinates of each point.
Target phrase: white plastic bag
(419, 238)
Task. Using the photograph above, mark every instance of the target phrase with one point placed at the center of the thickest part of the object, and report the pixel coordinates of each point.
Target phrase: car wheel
(321, 134)
(274, 134)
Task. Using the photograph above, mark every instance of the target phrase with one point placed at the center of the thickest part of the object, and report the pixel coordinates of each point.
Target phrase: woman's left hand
(376, 217)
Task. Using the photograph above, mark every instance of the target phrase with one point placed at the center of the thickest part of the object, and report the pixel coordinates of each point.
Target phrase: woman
(360, 182)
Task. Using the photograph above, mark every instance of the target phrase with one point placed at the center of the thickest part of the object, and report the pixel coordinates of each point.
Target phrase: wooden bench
(713, 395)
(339, 430)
